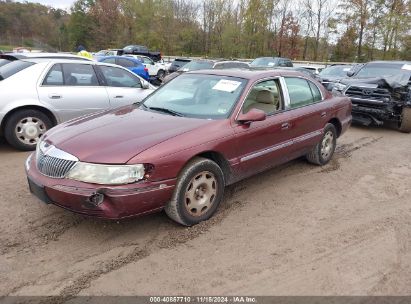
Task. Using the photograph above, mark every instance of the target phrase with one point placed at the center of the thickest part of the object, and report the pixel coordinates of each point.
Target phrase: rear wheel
(24, 129)
(198, 193)
(405, 124)
(322, 152)
(161, 74)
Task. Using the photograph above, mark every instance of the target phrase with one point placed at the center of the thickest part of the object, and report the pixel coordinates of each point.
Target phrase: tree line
(316, 30)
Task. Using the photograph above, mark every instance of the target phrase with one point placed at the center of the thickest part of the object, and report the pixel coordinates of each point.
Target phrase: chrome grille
(52, 166)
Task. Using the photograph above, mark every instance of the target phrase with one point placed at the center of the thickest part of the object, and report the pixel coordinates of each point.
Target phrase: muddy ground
(343, 229)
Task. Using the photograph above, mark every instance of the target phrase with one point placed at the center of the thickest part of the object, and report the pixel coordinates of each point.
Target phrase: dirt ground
(342, 229)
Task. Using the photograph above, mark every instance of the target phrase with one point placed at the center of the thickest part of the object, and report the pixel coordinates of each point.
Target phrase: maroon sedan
(180, 147)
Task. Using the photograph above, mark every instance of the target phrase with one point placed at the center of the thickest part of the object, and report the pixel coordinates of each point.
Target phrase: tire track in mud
(175, 236)
(345, 151)
(49, 230)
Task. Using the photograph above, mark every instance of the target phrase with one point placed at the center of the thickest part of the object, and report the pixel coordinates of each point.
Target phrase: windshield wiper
(165, 110)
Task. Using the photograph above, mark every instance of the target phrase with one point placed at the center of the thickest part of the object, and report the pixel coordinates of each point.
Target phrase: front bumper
(117, 201)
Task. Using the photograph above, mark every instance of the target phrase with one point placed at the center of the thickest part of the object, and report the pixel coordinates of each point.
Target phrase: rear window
(13, 68)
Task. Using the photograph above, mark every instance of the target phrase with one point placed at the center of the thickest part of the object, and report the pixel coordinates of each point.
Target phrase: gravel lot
(343, 229)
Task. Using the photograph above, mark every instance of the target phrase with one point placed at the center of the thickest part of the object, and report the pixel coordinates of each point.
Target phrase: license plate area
(38, 191)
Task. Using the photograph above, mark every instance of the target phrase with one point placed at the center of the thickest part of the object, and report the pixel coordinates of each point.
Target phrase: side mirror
(350, 73)
(251, 116)
(145, 84)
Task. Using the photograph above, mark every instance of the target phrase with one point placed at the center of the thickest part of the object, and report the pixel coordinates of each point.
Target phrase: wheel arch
(44, 110)
(219, 159)
(337, 124)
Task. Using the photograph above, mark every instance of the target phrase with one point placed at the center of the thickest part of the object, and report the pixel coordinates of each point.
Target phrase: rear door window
(299, 91)
(76, 74)
(13, 68)
(54, 76)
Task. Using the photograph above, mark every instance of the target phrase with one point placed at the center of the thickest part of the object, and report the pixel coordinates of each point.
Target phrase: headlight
(106, 174)
(339, 87)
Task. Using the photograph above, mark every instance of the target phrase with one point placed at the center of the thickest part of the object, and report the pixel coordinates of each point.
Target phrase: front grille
(376, 94)
(52, 166)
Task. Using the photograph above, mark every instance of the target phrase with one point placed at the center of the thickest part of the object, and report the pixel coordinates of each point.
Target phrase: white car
(36, 94)
(155, 69)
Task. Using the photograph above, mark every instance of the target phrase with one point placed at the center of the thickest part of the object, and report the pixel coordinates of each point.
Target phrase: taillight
(145, 69)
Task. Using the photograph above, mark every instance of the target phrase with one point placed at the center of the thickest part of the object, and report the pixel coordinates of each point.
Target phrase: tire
(405, 124)
(161, 74)
(198, 193)
(323, 151)
(30, 125)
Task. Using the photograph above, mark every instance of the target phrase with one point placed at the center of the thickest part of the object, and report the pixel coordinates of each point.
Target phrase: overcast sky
(63, 4)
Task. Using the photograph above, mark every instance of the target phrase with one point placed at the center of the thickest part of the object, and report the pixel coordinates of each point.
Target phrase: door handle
(119, 96)
(323, 114)
(55, 96)
(285, 126)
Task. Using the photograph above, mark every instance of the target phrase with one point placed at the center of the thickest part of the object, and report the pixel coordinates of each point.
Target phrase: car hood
(114, 137)
(392, 82)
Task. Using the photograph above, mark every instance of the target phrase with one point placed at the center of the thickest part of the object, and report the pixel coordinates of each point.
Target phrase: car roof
(273, 57)
(249, 74)
(58, 60)
(43, 55)
(122, 57)
(391, 61)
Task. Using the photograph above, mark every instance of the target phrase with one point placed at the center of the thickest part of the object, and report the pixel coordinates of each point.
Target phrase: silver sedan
(37, 94)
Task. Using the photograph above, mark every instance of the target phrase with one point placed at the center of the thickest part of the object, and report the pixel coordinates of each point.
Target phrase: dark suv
(380, 91)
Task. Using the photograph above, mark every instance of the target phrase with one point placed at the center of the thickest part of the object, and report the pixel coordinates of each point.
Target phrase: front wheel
(24, 129)
(405, 124)
(323, 151)
(198, 193)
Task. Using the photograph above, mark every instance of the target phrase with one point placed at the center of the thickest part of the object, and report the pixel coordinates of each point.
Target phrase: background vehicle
(37, 94)
(9, 57)
(104, 53)
(312, 68)
(132, 64)
(380, 91)
(333, 74)
(178, 63)
(141, 50)
(155, 69)
(204, 64)
(189, 139)
(271, 62)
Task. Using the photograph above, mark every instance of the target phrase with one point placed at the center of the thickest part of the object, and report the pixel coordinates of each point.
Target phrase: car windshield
(197, 65)
(13, 67)
(197, 95)
(381, 69)
(336, 71)
(264, 61)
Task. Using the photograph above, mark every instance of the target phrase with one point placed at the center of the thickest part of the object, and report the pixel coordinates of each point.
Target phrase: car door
(123, 87)
(308, 112)
(263, 144)
(72, 90)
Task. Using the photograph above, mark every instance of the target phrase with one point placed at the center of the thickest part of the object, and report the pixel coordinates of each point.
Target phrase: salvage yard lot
(341, 229)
